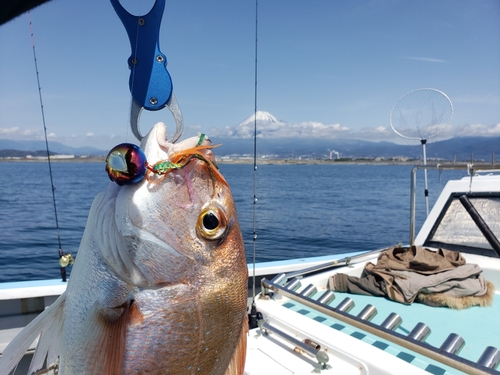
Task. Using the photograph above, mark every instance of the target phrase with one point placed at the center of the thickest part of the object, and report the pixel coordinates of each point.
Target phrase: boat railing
(414, 341)
(472, 169)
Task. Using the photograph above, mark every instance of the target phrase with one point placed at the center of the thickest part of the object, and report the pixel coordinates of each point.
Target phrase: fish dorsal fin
(237, 364)
(48, 325)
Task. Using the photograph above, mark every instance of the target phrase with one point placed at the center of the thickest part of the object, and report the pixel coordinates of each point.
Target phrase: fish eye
(212, 223)
(126, 164)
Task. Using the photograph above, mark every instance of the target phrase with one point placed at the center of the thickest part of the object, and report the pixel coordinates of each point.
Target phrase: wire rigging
(63, 269)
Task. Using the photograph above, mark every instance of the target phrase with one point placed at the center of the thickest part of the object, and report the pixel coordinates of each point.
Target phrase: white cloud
(89, 135)
(426, 59)
(18, 133)
(269, 127)
(478, 130)
(8, 131)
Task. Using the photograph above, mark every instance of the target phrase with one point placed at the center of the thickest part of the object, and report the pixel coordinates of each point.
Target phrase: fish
(159, 285)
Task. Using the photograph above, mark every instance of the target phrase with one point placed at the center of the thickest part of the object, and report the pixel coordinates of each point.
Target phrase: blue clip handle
(150, 82)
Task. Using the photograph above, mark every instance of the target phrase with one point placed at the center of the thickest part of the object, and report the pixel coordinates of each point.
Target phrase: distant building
(59, 156)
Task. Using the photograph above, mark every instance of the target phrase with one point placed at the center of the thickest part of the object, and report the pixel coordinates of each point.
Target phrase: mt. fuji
(268, 126)
(265, 122)
(262, 117)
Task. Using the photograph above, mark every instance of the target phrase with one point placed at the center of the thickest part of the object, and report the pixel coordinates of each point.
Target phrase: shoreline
(264, 161)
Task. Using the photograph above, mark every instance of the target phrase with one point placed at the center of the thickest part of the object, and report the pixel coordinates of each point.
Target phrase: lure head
(126, 164)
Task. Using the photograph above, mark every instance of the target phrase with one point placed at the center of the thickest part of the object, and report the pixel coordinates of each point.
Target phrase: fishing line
(63, 269)
(253, 312)
(134, 58)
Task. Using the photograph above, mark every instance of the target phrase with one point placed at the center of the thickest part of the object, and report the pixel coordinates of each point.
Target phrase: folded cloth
(417, 259)
(408, 274)
(462, 281)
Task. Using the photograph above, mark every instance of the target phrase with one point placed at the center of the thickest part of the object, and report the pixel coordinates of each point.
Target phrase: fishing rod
(64, 259)
(347, 261)
(254, 315)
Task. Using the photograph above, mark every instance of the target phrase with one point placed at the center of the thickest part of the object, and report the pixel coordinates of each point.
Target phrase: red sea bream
(160, 281)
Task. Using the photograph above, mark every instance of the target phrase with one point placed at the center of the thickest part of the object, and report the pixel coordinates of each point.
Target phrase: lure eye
(212, 223)
(126, 164)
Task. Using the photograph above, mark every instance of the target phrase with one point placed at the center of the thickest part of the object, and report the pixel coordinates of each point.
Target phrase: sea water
(301, 210)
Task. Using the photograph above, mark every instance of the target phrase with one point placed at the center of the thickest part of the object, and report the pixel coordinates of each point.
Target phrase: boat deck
(473, 325)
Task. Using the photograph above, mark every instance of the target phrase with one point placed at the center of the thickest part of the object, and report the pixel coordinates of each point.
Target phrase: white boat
(304, 327)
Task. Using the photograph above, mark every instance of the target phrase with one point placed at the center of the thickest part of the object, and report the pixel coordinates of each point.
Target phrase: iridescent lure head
(126, 164)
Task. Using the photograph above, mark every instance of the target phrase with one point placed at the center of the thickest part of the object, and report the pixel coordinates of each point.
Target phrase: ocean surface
(302, 210)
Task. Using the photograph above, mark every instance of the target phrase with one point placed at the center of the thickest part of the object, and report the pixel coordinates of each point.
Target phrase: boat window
(456, 227)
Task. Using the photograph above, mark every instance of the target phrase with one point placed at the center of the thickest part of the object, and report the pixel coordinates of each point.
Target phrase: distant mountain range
(278, 139)
(22, 148)
(460, 149)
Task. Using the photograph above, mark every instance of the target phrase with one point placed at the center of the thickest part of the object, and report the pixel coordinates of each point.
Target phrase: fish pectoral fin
(104, 342)
(48, 325)
(237, 364)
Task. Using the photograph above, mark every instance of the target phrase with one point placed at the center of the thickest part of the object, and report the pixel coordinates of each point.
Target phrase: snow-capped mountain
(262, 116)
(245, 129)
(268, 126)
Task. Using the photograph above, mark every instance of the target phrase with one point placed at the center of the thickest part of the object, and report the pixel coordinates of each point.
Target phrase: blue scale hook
(150, 83)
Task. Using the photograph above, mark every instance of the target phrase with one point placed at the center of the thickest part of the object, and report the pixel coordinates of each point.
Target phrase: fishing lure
(126, 164)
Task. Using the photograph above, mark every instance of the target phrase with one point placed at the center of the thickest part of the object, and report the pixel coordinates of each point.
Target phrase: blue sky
(342, 64)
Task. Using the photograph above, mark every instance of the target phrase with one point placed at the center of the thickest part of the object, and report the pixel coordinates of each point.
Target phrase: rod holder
(490, 357)
(326, 297)
(309, 291)
(293, 284)
(420, 332)
(453, 344)
(367, 313)
(392, 322)
(346, 305)
(279, 279)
